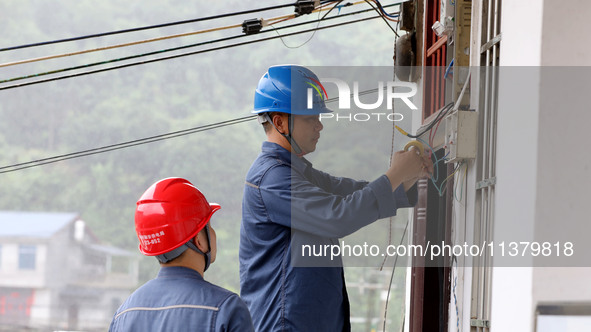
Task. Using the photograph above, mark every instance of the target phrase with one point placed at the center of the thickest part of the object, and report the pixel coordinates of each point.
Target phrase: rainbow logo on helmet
(318, 87)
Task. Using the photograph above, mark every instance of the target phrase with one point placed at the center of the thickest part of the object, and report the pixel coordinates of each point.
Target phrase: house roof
(33, 224)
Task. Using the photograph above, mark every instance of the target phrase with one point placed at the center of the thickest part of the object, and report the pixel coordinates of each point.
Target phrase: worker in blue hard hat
(288, 203)
(284, 95)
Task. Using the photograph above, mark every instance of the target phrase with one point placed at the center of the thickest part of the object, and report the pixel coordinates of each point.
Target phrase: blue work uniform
(287, 203)
(180, 300)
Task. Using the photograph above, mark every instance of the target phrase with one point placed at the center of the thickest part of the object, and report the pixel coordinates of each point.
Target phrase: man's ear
(280, 122)
(201, 241)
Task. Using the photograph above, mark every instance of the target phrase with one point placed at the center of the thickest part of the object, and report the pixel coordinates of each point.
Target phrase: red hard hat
(170, 213)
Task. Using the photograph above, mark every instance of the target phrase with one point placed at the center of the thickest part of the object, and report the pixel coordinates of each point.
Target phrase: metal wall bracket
(491, 43)
(480, 323)
(486, 183)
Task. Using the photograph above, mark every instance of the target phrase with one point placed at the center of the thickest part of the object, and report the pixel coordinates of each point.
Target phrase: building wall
(68, 278)
(543, 182)
(565, 38)
(521, 26)
(563, 176)
(11, 275)
(41, 309)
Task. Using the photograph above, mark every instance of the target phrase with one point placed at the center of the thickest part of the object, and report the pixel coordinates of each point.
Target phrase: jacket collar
(299, 164)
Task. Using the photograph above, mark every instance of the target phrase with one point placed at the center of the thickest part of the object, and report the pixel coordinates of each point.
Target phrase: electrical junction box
(461, 136)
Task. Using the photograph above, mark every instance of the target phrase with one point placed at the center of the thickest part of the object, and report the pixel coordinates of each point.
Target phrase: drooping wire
(383, 18)
(173, 49)
(136, 142)
(148, 27)
(454, 259)
(461, 183)
(384, 11)
(313, 33)
(392, 276)
(440, 115)
(145, 41)
(390, 223)
(435, 177)
(160, 59)
(123, 145)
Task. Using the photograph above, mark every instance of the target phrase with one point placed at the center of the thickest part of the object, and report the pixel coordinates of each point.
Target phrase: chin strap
(294, 146)
(168, 256)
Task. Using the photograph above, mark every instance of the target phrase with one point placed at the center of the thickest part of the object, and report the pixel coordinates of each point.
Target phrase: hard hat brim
(314, 111)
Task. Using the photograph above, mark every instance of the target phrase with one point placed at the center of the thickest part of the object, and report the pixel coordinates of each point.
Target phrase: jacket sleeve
(294, 201)
(345, 186)
(233, 316)
(333, 184)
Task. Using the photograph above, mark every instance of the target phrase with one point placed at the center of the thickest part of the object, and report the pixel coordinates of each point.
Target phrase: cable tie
(252, 26)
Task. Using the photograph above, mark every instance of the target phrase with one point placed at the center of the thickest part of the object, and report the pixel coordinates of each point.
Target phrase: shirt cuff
(382, 188)
(405, 199)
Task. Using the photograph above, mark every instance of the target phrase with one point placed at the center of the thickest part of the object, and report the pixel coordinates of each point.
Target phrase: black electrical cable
(184, 54)
(149, 27)
(150, 139)
(383, 17)
(444, 110)
(175, 48)
(118, 146)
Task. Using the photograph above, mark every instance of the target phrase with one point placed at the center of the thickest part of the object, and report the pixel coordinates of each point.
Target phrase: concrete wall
(564, 182)
(566, 39)
(543, 174)
(517, 133)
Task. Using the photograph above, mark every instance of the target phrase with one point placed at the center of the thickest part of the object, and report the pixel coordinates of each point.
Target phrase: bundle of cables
(435, 123)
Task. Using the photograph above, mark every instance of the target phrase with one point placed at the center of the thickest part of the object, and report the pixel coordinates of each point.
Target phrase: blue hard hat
(290, 89)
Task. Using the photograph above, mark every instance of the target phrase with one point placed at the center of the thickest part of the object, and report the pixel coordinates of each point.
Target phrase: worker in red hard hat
(172, 222)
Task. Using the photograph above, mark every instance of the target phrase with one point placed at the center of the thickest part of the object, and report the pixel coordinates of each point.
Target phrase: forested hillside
(97, 110)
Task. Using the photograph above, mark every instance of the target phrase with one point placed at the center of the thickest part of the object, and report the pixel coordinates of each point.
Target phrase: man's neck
(189, 260)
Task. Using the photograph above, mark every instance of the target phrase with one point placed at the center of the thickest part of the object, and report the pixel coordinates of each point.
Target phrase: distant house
(54, 273)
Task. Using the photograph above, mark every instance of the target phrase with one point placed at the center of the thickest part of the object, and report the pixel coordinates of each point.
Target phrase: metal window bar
(482, 271)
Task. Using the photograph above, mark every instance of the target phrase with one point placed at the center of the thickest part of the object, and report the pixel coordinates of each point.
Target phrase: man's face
(306, 131)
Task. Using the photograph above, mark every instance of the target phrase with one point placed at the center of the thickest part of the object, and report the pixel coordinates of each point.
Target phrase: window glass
(26, 257)
(551, 323)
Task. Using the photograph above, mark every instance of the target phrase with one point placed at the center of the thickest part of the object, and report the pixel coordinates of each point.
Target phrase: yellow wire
(461, 182)
(447, 178)
(452, 174)
(401, 131)
(118, 45)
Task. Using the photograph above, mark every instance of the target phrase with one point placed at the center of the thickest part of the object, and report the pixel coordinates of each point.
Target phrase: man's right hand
(408, 166)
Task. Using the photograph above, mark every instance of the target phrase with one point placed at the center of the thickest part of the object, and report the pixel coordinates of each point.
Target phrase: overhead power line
(151, 40)
(118, 146)
(140, 141)
(250, 11)
(165, 50)
(164, 58)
